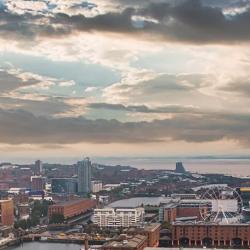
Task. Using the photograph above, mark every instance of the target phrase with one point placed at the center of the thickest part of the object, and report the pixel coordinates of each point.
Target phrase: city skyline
(123, 78)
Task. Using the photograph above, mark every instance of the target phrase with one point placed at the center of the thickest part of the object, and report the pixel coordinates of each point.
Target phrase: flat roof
(144, 227)
(174, 248)
(72, 202)
(129, 242)
(202, 223)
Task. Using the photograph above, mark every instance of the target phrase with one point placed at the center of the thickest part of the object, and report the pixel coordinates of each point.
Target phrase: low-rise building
(181, 209)
(96, 186)
(23, 211)
(118, 217)
(211, 235)
(72, 208)
(137, 242)
(150, 230)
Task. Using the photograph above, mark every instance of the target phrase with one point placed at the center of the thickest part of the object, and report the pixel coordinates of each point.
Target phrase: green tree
(56, 218)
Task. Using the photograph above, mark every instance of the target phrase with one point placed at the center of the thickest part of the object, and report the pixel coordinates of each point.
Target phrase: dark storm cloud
(188, 21)
(19, 127)
(113, 22)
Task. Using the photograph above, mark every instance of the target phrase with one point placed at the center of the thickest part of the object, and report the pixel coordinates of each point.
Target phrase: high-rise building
(180, 168)
(38, 168)
(64, 185)
(84, 176)
(37, 183)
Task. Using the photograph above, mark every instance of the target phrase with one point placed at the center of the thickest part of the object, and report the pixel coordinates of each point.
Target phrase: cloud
(146, 87)
(189, 21)
(22, 90)
(20, 127)
(67, 83)
(90, 89)
(12, 79)
(145, 108)
(240, 86)
(41, 105)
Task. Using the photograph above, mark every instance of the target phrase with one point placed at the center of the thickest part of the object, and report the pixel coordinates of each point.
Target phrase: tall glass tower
(84, 176)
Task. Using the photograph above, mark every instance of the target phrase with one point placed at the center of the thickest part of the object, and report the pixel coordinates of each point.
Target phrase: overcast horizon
(130, 78)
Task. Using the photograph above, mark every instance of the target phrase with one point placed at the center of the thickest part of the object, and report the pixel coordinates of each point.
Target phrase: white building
(96, 186)
(118, 217)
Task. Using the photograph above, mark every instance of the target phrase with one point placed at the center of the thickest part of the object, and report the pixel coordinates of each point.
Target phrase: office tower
(37, 183)
(84, 176)
(38, 168)
(64, 185)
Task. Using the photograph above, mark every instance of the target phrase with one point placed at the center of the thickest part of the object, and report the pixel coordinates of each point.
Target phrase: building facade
(150, 230)
(84, 176)
(64, 185)
(119, 217)
(6, 212)
(96, 186)
(179, 210)
(72, 208)
(38, 168)
(37, 183)
(137, 242)
(211, 235)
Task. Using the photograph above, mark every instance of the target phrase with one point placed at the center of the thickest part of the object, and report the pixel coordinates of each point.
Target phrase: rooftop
(150, 227)
(202, 223)
(129, 242)
(71, 202)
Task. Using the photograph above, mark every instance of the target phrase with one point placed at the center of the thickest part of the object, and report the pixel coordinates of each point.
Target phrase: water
(47, 246)
(235, 167)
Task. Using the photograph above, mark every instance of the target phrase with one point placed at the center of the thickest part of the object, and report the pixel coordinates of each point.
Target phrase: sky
(124, 78)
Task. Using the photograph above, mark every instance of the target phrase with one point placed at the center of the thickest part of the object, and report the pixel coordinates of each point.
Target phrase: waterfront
(234, 167)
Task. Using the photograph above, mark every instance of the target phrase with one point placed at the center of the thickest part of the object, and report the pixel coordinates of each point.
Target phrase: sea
(227, 166)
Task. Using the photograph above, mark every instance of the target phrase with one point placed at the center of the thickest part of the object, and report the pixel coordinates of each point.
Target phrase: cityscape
(124, 124)
(120, 207)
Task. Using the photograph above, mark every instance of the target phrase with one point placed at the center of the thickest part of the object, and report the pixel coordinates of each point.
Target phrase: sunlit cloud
(131, 73)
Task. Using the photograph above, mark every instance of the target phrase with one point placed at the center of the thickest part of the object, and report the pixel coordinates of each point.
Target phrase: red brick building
(72, 208)
(6, 212)
(184, 208)
(211, 235)
(136, 242)
(37, 183)
(151, 231)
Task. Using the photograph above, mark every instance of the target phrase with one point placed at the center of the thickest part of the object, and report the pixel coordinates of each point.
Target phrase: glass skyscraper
(84, 176)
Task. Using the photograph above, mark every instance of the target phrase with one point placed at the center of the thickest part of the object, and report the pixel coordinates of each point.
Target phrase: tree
(56, 218)
(166, 225)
